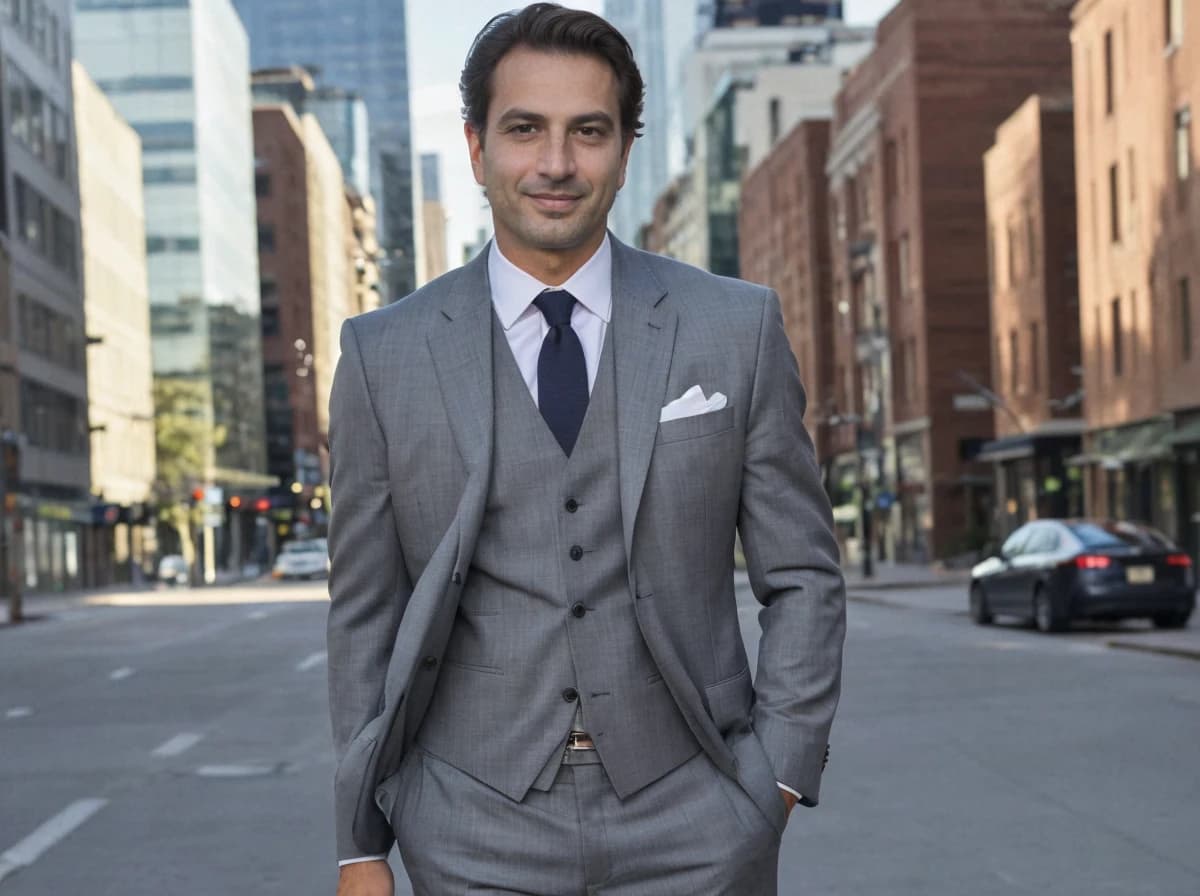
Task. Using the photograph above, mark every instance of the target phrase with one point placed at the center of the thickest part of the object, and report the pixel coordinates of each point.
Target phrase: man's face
(552, 157)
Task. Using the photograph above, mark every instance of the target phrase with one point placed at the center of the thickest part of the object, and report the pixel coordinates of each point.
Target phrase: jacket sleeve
(786, 527)
(369, 588)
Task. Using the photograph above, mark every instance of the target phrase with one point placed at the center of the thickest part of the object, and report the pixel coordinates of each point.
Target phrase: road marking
(1004, 645)
(120, 674)
(258, 614)
(234, 771)
(18, 712)
(180, 743)
(310, 661)
(30, 849)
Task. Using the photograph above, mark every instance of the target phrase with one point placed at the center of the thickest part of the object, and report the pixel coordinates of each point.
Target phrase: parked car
(1056, 571)
(303, 559)
(173, 569)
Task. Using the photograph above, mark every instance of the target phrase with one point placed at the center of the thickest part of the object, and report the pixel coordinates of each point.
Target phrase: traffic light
(262, 505)
(235, 502)
(197, 496)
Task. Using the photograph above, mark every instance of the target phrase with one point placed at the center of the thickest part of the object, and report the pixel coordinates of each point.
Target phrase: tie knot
(556, 306)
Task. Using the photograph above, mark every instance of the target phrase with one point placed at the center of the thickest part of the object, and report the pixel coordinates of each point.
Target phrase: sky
(439, 35)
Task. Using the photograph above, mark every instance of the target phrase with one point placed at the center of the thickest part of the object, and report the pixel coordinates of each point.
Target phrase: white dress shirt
(525, 328)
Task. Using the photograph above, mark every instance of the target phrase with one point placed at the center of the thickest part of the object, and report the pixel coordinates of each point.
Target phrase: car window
(1120, 535)
(1044, 540)
(302, 547)
(1016, 542)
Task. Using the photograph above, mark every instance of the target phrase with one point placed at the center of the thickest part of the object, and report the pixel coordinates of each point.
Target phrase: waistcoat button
(576, 553)
(570, 695)
(429, 662)
(578, 611)
(572, 505)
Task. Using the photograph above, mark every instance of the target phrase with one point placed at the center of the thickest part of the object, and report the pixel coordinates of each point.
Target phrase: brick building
(1137, 86)
(1030, 183)
(909, 253)
(782, 226)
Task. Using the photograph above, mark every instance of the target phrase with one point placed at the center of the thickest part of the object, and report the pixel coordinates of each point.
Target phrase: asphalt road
(179, 747)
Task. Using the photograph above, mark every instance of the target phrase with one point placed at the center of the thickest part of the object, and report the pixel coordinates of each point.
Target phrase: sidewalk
(905, 575)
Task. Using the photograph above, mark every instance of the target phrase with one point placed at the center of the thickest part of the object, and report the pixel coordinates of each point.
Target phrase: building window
(262, 185)
(774, 112)
(890, 172)
(1114, 202)
(1174, 19)
(1183, 144)
(1109, 80)
(1031, 236)
(266, 238)
(1014, 363)
(1035, 355)
(1185, 319)
(1012, 255)
(1118, 338)
(904, 265)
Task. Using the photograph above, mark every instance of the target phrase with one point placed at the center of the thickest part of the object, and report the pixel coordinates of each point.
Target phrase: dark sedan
(1055, 571)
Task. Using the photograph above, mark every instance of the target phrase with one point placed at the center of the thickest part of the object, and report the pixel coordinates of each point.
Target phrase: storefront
(1185, 441)
(51, 543)
(1032, 478)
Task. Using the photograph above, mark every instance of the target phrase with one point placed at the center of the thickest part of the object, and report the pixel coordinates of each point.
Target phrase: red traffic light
(197, 494)
(262, 505)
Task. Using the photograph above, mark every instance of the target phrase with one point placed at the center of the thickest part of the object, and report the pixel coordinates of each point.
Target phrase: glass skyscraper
(178, 71)
(359, 45)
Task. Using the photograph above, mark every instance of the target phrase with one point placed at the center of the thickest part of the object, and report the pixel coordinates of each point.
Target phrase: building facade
(178, 72)
(433, 217)
(910, 282)
(1038, 413)
(641, 21)
(357, 46)
(117, 310)
(46, 369)
(1137, 89)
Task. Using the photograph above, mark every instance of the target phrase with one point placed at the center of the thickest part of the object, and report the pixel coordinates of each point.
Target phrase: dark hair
(548, 26)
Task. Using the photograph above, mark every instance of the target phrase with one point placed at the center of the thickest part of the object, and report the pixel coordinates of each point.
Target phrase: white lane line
(30, 849)
(310, 661)
(18, 712)
(120, 674)
(180, 743)
(257, 614)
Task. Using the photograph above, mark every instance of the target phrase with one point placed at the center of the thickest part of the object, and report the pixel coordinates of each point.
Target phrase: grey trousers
(693, 832)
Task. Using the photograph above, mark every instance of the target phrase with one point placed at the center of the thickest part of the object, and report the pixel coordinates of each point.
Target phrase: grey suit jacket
(411, 436)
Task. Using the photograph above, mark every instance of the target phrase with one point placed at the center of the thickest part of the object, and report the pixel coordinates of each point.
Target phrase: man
(537, 678)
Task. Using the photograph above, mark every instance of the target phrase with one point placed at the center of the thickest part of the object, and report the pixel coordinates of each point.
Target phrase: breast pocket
(698, 426)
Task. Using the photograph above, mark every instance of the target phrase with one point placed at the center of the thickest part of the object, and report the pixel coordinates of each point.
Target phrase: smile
(554, 203)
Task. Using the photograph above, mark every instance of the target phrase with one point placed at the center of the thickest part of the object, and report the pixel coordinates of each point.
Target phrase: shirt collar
(513, 290)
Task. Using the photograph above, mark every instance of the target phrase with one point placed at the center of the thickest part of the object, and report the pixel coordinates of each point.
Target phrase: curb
(908, 586)
(1182, 653)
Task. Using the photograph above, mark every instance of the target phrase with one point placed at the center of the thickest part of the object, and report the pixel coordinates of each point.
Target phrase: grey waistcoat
(546, 613)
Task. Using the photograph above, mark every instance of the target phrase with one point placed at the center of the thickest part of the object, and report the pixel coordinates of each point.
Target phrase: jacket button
(457, 578)
(576, 553)
(572, 505)
(570, 695)
(429, 662)
(578, 611)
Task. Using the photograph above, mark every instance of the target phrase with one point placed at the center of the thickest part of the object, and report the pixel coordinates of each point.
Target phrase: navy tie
(562, 372)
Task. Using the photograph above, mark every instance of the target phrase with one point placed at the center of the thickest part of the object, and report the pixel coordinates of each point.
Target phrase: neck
(554, 267)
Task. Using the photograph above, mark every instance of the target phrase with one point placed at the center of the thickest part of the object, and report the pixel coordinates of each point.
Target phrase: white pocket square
(691, 403)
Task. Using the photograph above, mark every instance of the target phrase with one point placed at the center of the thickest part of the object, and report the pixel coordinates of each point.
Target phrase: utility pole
(10, 521)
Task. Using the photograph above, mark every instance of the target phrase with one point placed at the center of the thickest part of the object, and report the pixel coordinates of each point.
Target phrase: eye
(521, 129)
(589, 130)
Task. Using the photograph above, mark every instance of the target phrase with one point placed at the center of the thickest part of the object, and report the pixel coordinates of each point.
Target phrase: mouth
(554, 202)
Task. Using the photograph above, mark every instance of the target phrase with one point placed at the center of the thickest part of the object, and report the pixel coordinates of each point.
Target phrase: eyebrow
(597, 117)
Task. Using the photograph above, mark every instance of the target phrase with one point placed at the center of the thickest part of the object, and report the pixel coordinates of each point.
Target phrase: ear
(475, 148)
(625, 150)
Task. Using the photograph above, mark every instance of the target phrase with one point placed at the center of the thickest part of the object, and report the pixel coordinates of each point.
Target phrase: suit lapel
(462, 356)
(643, 340)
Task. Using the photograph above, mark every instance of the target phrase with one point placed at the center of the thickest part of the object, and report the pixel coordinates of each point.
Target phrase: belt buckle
(578, 740)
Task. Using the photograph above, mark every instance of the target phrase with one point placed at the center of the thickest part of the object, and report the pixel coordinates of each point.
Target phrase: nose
(556, 161)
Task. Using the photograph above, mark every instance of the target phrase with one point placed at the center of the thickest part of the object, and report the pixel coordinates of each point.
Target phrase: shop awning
(1007, 448)
(1186, 435)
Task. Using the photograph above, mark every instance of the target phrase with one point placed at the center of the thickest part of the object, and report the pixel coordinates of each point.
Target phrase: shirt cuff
(382, 858)
(783, 786)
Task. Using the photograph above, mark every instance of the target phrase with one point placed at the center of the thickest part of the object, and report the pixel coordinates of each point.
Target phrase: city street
(176, 742)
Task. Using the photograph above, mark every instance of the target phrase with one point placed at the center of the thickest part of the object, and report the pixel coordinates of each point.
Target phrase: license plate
(1139, 575)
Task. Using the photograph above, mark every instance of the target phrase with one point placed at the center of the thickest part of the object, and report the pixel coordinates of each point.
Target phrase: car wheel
(1044, 616)
(981, 613)
(1172, 620)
